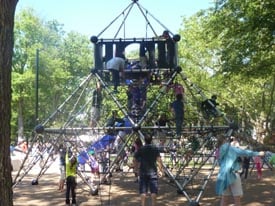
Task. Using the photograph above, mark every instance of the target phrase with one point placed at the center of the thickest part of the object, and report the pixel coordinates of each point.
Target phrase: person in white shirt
(116, 65)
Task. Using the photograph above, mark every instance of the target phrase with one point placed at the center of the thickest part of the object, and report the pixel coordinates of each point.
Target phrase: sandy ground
(123, 191)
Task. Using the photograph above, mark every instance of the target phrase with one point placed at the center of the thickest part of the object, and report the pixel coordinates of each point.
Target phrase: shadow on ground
(124, 192)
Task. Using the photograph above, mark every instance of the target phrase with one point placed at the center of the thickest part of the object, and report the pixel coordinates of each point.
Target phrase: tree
(64, 59)
(34, 38)
(7, 11)
(230, 51)
(246, 31)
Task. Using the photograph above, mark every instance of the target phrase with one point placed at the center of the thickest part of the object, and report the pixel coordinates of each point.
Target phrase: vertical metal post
(36, 85)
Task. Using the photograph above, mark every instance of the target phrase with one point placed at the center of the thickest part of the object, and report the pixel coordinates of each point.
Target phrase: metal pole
(36, 85)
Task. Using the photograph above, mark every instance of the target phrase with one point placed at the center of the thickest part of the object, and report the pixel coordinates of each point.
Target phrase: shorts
(235, 189)
(62, 172)
(148, 181)
(95, 114)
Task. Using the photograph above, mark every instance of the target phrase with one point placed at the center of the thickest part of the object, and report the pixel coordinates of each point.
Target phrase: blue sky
(90, 17)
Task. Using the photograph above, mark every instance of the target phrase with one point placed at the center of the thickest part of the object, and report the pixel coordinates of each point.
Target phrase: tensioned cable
(154, 19)
(143, 11)
(123, 22)
(114, 20)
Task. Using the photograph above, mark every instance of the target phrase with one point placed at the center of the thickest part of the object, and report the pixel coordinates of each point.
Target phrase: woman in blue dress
(228, 180)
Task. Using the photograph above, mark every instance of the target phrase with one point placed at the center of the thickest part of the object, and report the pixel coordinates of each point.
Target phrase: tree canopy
(226, 50)
(44, 54)
(232, 48)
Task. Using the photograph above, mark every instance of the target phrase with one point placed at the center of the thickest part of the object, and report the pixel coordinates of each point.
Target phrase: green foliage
(246, 32)
(230, 52)
(61, 62)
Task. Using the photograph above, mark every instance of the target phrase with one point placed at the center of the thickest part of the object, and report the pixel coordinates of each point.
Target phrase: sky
(97, 17)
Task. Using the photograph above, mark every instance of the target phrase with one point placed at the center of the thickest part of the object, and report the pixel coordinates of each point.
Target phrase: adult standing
(148, 160)
(245, 165)
(228, 180)
(116, 65)
(178, 109)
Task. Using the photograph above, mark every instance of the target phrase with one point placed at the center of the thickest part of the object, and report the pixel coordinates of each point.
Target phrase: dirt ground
(123, 191)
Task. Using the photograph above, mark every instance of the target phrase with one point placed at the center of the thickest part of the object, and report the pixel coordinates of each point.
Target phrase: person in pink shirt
(178, 89)
(258, 164)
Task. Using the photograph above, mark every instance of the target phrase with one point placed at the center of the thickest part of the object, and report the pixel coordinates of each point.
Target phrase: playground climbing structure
(147, 90)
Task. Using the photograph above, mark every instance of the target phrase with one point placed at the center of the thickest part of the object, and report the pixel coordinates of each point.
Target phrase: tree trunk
(7, 11)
